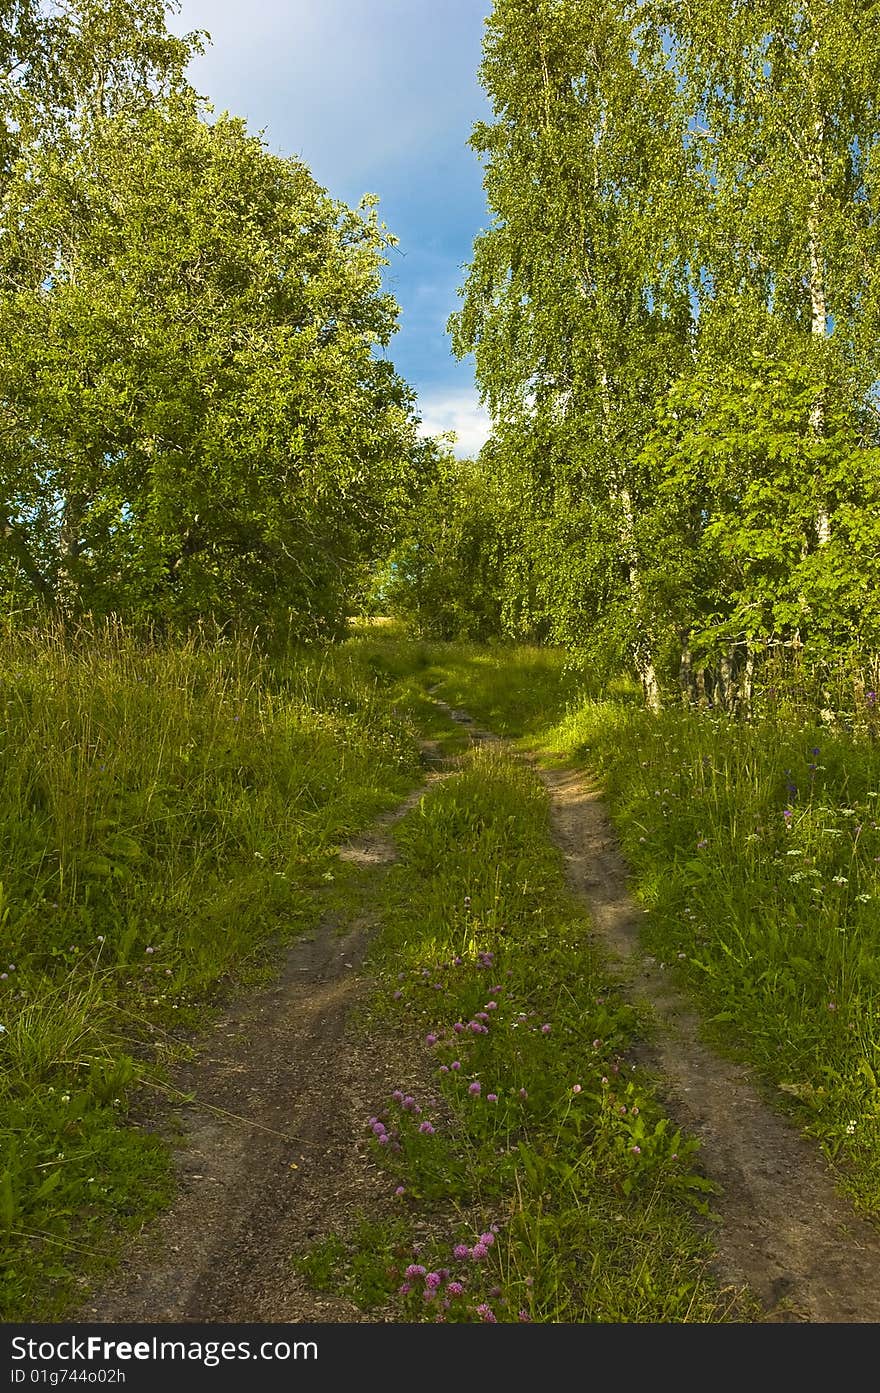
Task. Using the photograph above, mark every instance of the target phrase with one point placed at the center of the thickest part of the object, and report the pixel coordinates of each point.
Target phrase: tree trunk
(747, 683)
(818, 295)
(21, 554)
(686, 676)
(70, 544)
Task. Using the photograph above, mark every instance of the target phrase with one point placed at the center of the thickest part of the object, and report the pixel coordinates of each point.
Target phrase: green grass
(756, 850)
(167, 812)
(521, 1119)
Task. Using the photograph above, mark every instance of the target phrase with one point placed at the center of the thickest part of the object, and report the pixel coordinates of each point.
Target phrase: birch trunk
(818, 295)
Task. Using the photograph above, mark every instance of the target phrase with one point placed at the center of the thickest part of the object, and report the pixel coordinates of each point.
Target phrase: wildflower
(523, 1093)
(575, 1088)
(487, 1238)
(384, 1139)
(429, 1293)
(597, 1044)
(414, 1270)
(545, 1029)
(409, 1103)
(702, 844)
(433, 1280)
(455, 1288)
(486, 1313)
(444, 1068)
(636, 1150)
(378, 1128)
(426, 1128)
(461, 1251)
(149, 950)
(397, 1096)
(475, 1087)
(850, 1128)
(479, 1250)
(395, 996)
(401, 1190)
(458, 1027)
(431, 1039)
(523, 1316)
(456, 1065)
(404, 1289)
(491, 1097)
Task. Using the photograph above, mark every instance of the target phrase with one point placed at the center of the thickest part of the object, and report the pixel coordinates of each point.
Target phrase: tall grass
(166, 810)
(756, 848)
(755, 845)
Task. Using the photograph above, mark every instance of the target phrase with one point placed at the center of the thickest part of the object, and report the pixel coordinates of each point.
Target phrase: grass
(167, 812)
(537, 1177)
(755, 847)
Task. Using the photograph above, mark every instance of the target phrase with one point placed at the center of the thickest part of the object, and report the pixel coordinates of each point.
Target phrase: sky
(375, 96)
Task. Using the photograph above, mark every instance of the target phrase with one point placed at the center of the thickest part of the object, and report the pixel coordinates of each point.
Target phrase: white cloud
(353, 87)
(460, 412)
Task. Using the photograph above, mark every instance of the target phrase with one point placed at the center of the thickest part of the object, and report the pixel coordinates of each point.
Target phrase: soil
(785, 1230)
(273, 1152)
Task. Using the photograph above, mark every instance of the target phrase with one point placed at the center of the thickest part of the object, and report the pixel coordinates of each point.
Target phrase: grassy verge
(166, 814)
(536, 1175)
(756, 849)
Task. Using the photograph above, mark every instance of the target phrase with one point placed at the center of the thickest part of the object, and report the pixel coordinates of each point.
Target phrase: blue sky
(376, 96)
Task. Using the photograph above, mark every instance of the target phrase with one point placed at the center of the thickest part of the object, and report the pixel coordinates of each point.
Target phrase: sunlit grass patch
(539, 1177)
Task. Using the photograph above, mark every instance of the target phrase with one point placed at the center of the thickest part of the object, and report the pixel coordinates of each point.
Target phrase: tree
(576, 303)
(784, 127)
(195, 419)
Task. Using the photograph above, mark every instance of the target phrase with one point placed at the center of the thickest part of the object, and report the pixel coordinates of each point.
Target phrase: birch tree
(576, 303)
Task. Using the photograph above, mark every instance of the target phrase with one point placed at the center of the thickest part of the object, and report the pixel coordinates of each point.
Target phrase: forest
(286, 687)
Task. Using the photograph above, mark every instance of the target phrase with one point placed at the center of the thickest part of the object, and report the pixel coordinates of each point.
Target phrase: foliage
(444, 576)
(196, 417)
(674, 318)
